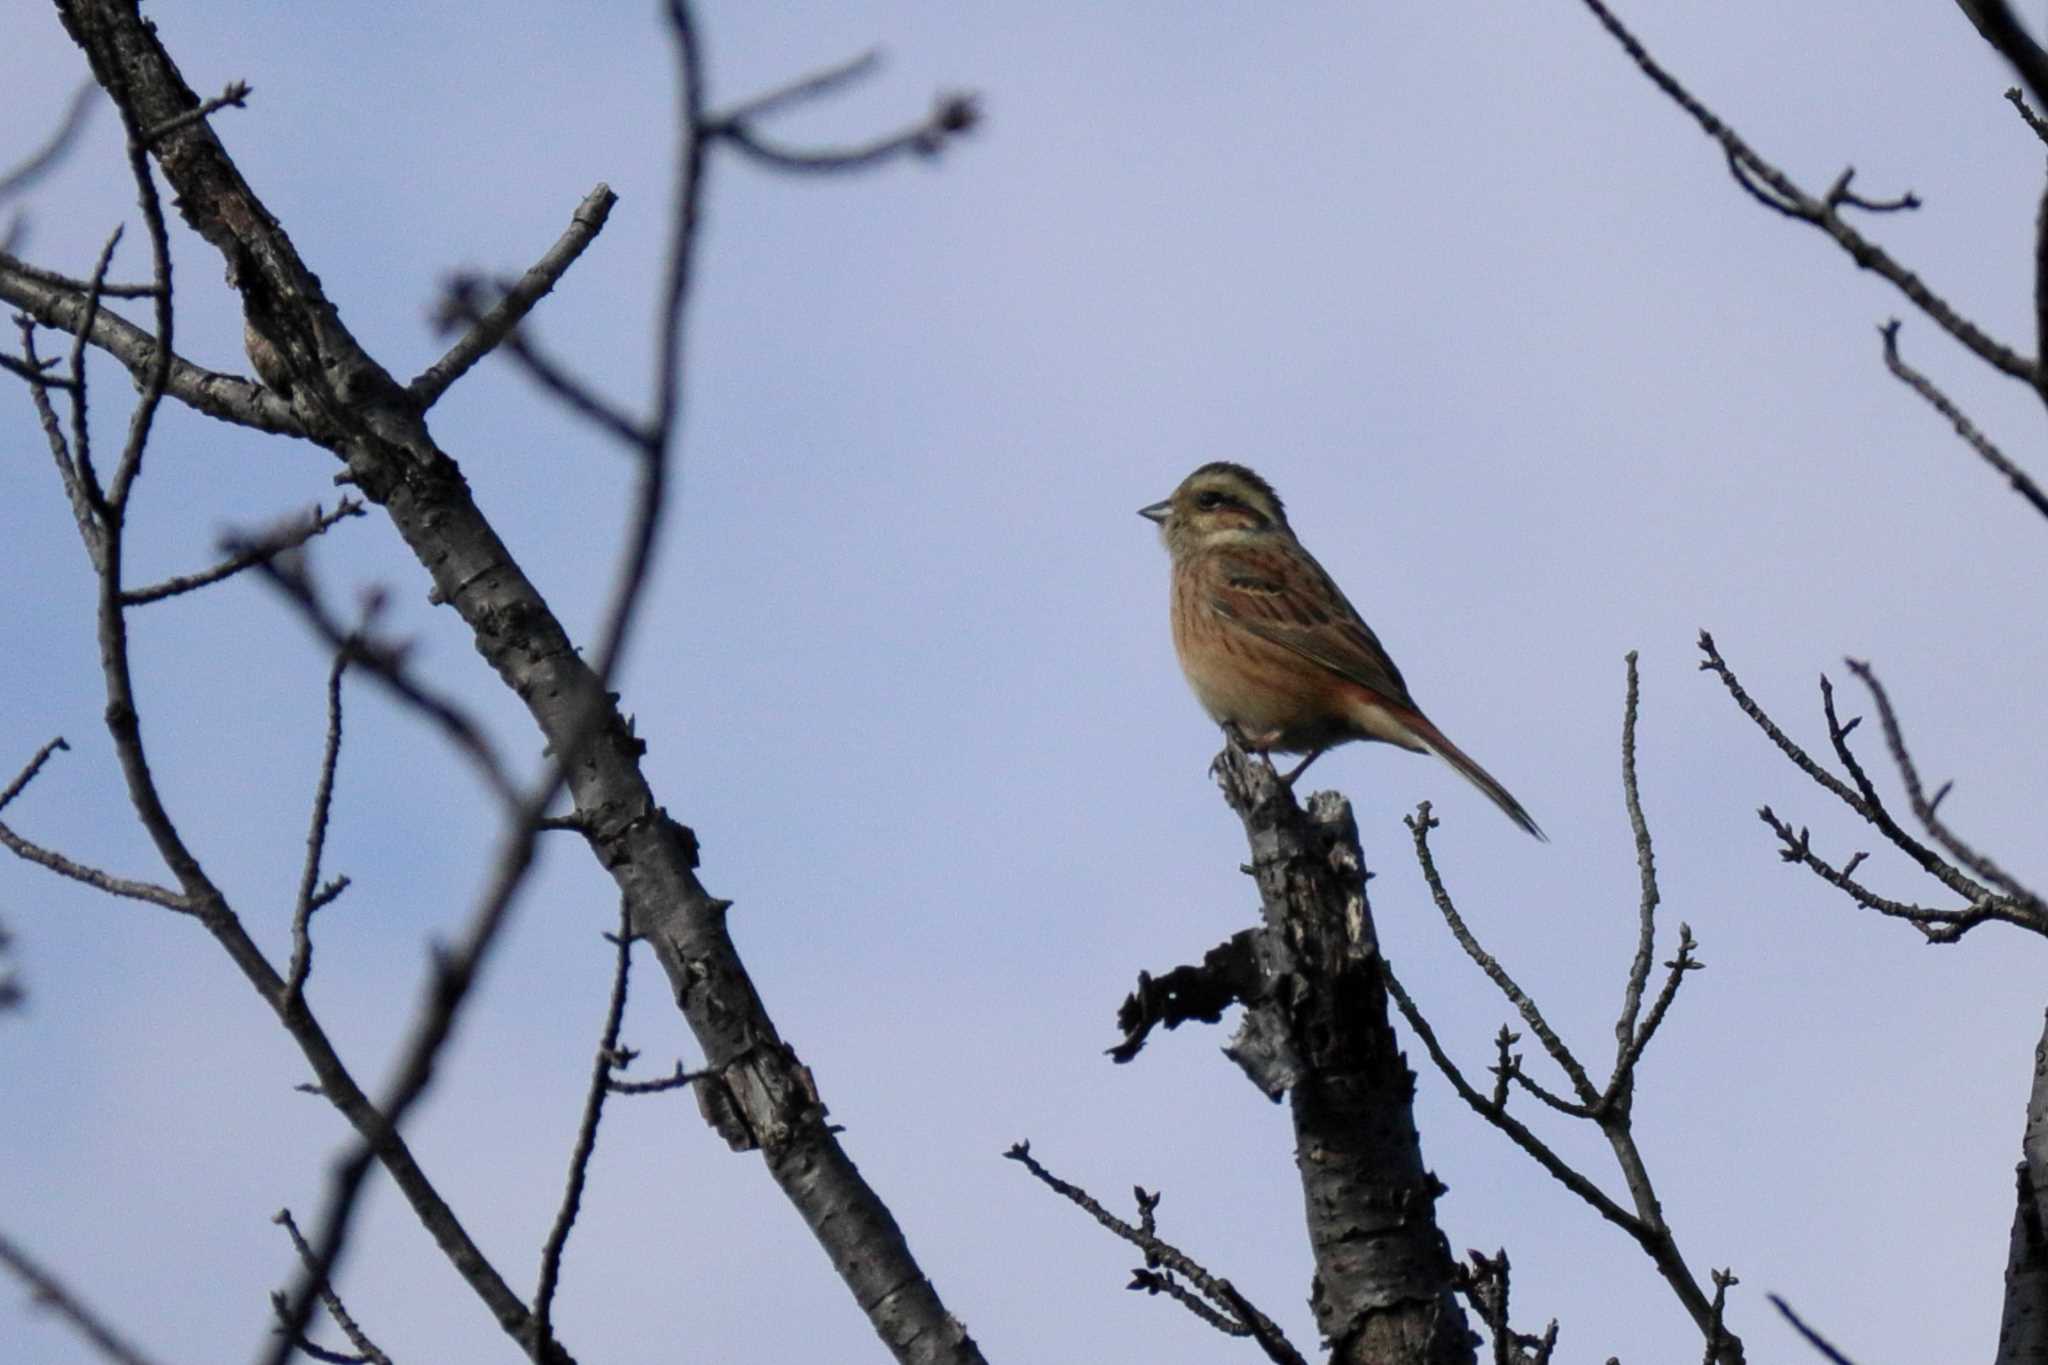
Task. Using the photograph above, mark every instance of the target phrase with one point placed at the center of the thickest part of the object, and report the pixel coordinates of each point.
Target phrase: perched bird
(1271, 646)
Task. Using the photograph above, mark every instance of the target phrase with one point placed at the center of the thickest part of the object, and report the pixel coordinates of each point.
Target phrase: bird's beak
(1157, 511)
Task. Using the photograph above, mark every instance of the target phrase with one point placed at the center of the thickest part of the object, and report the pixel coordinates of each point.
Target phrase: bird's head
(1218, 502)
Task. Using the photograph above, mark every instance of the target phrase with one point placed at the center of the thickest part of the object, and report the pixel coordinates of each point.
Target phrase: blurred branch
(39, 163)
(51, 1293)
(1813, 1338)
(383, 660)
(951, 115)
(250, 555)
(1999, 26)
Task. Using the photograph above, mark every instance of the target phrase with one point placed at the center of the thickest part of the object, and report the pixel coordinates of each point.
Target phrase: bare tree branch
(234, 96)
(951, 115)
(1813, 1338)
(222, 396)
(52, 1294)
(77, 112)
(367, 1352)
(1226, 1309)
(251, 554)
(1821, 211)
(1609, 1108)
(2034, 121)
(601, 1069)
(762, 1096)
(2001, 28)
(2015, 904)
(2021, 482)
(316, 843)
(517, 300)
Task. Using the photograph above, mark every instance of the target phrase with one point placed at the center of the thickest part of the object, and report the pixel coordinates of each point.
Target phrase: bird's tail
(1433, 740)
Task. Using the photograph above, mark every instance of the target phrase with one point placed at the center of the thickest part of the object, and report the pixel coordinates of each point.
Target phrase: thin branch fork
(1609, 1107)
(367, 1351)
(1962, 870)
(1220, 1304)
(249, 554)
(63, 306)
(1776, 190)
(952, 114)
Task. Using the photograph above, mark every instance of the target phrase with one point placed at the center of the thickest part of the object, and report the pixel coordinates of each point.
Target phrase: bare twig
(601, 1068)
(383, 661)
(316, 840)
(803, 88)
(1784, 195)
(2033, 120)
(252, 553)
(463, 302)
(951, 115)
(156, 377)
(1229, 1303)
(1646, 875)
(1486, 1287)
(30, 769)
(1924, 807)
(234, 96)
(2022, 483)
(2015, 905)
(82, 514)
(454, 973)
(1609, 1108)
(12, 992)
(1419, 826)
(2001, 28)
(1724, 1280)
(516, 301)
(366, 1350)
(676, 1080)
(1813, 1338)
(22, 270)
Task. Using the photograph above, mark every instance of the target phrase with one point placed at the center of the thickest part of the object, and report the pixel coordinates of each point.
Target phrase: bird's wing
(1281, 594)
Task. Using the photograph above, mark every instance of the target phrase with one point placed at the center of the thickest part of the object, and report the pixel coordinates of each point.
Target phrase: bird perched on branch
(1270, 645)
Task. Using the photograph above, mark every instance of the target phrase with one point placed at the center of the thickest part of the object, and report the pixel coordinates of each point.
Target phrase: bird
(1272, 647)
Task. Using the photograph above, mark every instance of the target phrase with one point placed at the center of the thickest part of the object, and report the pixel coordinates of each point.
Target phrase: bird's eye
(1209, 501)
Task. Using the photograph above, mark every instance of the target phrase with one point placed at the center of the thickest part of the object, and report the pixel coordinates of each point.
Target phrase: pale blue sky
(1541, 386)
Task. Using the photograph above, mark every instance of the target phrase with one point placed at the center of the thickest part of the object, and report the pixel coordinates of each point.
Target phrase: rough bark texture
(2023, 1328)
(1383, 1290)
(348, 403)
